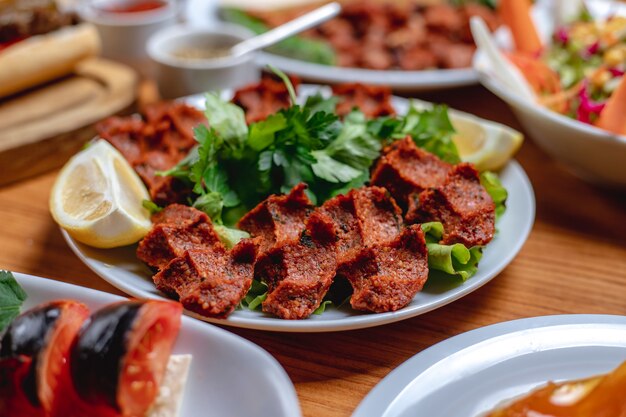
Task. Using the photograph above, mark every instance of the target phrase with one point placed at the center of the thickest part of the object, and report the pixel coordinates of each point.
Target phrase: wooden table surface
(573, 262)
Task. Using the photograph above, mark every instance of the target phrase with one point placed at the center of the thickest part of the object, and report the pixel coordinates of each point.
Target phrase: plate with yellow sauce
(471, 374)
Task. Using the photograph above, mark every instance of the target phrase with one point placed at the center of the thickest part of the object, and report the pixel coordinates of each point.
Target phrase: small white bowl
(124, 34)
(591, 153)
(181, 76)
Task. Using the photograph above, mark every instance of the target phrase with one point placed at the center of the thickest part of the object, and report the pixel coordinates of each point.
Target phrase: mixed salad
(580, 74)
(590, 59)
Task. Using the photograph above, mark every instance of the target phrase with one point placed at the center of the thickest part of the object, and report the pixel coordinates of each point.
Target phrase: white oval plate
(229, 375)
(398, 80)
(472, 373)
(121, 268)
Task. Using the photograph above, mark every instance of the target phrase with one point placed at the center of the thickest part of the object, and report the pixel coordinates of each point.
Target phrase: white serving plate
(121, 268)
(398, 80)
(472, 373)
(229, 375)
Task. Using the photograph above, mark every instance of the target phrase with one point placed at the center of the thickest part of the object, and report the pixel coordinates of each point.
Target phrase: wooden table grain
(573, 262)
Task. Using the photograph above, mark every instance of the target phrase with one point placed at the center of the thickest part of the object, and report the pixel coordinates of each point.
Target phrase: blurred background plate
(407, 81)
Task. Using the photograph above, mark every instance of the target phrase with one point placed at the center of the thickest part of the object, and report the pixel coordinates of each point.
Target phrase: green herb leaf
(182, 170)
(208, 176)
(288, 84)
(151, 206)
(228, 120)
(332, 170)
(488, 3)
(210, 203)
(350, 154)
(263, 133)
(358, 182)
(431, 130)
(317, 103)
(12, 296)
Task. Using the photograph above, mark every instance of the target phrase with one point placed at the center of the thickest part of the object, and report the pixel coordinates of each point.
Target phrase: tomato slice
(120, 356)
(13, 399)
(34, 357)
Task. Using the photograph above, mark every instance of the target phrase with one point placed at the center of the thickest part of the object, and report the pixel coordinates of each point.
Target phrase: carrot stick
(613, 116)
(516, 15)
(539, 75)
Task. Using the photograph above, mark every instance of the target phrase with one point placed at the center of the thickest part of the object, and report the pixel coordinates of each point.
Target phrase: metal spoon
(286, 30)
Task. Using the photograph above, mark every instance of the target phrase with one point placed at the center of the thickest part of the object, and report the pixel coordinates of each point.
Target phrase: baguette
(43, 58)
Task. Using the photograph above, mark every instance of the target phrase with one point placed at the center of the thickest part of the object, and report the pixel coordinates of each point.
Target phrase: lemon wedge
(488, 145)
(97, 198)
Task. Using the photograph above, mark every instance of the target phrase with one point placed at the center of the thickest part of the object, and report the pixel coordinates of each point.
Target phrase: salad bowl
(589, 152)
(594, 154)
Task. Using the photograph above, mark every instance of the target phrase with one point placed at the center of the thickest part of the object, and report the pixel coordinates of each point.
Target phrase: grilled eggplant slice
(120, 356)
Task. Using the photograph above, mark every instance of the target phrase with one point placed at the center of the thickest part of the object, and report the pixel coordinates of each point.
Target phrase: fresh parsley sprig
(235, 166)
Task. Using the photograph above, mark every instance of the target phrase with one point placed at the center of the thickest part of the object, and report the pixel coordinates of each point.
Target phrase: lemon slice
(97, 198)
(488, 145)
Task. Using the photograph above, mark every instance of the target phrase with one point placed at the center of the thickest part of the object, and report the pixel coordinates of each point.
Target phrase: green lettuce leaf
(255, 296)
(323, 306)
(452, 259)
(496, 190)
(229, 236)
(12, 296)
(433, 231)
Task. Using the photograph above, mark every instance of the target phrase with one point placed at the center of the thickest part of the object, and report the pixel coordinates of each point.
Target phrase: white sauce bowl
(178, 76)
